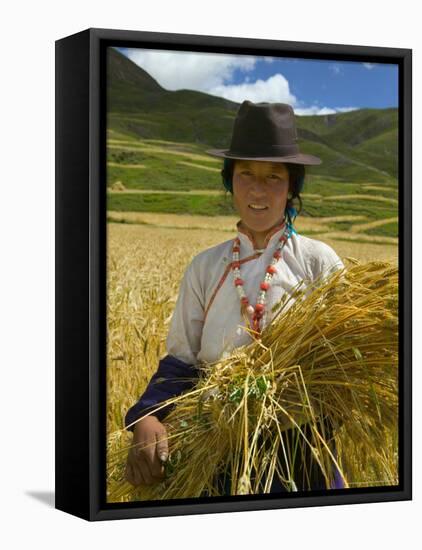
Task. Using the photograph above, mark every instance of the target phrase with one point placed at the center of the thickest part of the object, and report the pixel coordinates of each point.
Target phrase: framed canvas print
(233, 274)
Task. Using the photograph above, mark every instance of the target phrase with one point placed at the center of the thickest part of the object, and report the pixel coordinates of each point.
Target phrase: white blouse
(207, 323)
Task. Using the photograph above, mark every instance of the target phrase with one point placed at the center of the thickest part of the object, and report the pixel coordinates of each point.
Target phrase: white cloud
(335, 68)
(347, 109)
(313, 110)
(212, 73)
(368, 66)
(274, 89)
(317, 110)
(188, 70)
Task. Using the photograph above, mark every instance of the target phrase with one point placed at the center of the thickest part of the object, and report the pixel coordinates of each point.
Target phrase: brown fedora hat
(265, 131)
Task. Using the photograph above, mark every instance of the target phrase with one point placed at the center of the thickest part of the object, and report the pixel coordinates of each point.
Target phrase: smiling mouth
(257, 207)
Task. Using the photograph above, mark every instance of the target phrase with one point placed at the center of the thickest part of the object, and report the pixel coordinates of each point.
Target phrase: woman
(234, 285)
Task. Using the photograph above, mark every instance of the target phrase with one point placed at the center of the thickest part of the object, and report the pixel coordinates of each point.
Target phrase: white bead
(250, 310)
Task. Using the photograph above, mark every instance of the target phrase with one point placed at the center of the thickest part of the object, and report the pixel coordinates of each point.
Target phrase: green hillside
(156, 141)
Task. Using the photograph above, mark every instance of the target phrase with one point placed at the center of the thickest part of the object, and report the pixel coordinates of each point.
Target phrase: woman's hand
(148, 453)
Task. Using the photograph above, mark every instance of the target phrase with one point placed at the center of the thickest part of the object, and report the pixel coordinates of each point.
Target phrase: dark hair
(296, 180)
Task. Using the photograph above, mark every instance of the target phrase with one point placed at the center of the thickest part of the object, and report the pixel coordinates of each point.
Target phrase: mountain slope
(355, 146)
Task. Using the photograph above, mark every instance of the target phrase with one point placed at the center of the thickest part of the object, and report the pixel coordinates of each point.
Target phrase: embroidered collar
(248, 243)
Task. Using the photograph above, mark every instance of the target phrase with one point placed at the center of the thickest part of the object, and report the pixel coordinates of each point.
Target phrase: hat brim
(299, 158)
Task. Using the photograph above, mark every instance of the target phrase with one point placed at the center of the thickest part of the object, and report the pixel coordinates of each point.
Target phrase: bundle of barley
(331, 352)
(118, 186)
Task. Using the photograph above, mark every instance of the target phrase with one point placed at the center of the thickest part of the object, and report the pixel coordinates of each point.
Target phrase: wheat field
(145, 262)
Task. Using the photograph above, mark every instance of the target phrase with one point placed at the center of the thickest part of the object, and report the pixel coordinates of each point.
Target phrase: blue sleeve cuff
(172, 378)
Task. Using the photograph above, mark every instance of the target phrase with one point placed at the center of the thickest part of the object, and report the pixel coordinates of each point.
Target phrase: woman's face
(260, 191)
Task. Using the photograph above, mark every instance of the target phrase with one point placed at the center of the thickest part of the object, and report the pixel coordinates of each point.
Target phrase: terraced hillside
(156, 160)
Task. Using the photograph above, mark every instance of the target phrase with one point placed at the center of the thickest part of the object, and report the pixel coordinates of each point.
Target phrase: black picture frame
(81, 271)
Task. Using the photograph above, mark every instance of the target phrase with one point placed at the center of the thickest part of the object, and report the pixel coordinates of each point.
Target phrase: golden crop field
(147, 256)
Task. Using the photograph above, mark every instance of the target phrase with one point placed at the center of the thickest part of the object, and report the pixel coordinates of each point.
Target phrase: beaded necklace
(247, 309)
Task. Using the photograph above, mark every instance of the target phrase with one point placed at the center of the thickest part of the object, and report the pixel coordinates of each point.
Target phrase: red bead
(277, 254)
(271, 269)
(283, 239)
(236, 249)
(237, 240)
(244, 300)
(259, 308)
(238, 282)
(235, 264)
(264, 286)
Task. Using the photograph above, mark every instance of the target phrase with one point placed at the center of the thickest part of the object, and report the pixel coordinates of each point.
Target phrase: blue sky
(312, 87)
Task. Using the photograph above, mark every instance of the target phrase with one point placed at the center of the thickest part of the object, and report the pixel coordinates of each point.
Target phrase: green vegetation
(205, 205)
(371, 209)
(324, 187)
(162, 172)
(355, 146)
(157, 141)
(386, 230)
